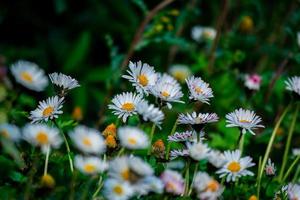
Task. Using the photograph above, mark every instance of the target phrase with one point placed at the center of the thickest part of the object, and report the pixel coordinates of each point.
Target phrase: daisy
(199, 90)
(119, 168)
(117, 190)
(133, 138)
(88, 140)
(293, 84)
(198, 151)
(168, 90)
(90, 165)
(244, 119)
(42, 135)
(140, 167)
(197, 119)
(149, 184)
(180, 72)
(207, 188)
(47, 109)
(203, 33)
(270, 168)
(142, 76)
(187, 136)
(63, 81)
(173, 181)
(253, 81)
(150, 113)
(29, 75)
(216, 158)
(178, 153)
(10, 131)
(293, 191)
(235, 166)
(124, 105)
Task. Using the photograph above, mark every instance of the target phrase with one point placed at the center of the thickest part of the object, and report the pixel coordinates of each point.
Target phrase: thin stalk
(100, 184)
(268, 150)
(47, 160)
(296, 174)
(241, 143)
(121, 151)
(259, 166)
(151, 138)
(290, 169)
(194, 176)
(187, 177)
(169, 143)
(288, 142)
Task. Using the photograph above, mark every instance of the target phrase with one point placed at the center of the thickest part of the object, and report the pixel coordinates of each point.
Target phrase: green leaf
(17, 177)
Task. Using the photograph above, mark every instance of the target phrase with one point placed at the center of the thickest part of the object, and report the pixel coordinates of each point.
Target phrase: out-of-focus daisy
(173, 181)
(197, 120)
(29, 75)
(149, 184)
(150, 113)
(244, 119)
(140, 167)
(10, 131)
(119, 168)
(199, 90)
(293, 191)
(168, 90)
(235, 166)
(253, 81)
(200, 33)
(63, 81)
(296, 151)
(133, 138)
(270, 168)
(180, 72)
(117, 190)
(198, 151)
(47, 109)
(90, 165)
(216, 158)
(88, 140)
(207, 188)
(178, 153)
(42, 135)
(142, 76)
(293, 84)
(124, 105)
(186, 136)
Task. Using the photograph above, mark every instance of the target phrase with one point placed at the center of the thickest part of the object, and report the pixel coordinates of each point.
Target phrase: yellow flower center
(89, 168)
(118, 190)
(87, 142)
(244, 121)
(42, 138)
(125, 174)
(132, 141)
(234, 166)
(26, 77)
(212, 185)
(143, 80)
(48, 181)
(170, 186)
(198, 90)
(48, 111)
(253, 197)
(128, 107)
(4, 133)
(181, 76)
(165, 94)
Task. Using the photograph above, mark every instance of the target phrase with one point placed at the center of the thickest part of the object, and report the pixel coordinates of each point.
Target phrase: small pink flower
(253, 81)
(173, 182)
(270, 168)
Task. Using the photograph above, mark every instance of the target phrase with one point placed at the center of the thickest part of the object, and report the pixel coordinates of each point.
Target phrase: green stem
(288, 143)
(241, 143)
(259, 166)
(296, 174)
(47, 160)
(194, 176)
(268, 150)
(121, 151)
(290, 169)
(151, 138)
(100, 184)
(169, 143)
(187, 177)
(67, 146)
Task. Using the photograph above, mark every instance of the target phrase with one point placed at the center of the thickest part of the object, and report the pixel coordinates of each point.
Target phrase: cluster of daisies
(111, 154)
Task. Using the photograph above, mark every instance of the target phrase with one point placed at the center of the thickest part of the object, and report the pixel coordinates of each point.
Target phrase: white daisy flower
(140, 167)
(178, 153)
(207, 188)
(235, 166)
(124, 105)
(216, 158)
(47, 109)
(200, 33)
(133, 138)
(180, 72)
(117, 190)
(187, 136)
(88, 140)
(198, 151)
(199, 90)
(253, 82)
(270, 168)
(119, 168)
(10, 131)
(296, 151)
(90, 165)
(142, 76)
(293, 191)
(173, 181)
(197, 119)
(149, 184)
(293, 84)
(63, 81)
(168, 90)
(29, 75)
(244, 119)
(42, 135)
(150, 113)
